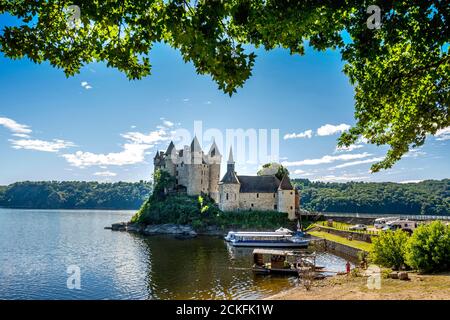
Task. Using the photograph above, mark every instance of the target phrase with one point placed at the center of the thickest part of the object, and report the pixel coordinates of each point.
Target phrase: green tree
(400, 70)
(389, 249)
(281, 170)
(162, 181)
(429, 248)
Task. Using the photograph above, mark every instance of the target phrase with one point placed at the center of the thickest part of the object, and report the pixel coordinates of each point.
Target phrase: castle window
(235, 196)
(252, 205)
(201, 181)
(257, 195)
(292, 193)
(227, 196)
(275, 207)
(176, 181)
(291, 207)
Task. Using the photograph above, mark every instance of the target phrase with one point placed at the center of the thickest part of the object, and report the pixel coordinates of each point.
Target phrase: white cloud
(298, 171)
(14, 126)
(21, 135)
(349, 148)
(443, 134)
(186, 100)
(150, 138)
(342, 178)
(131, 154)
(355, 163)
(326, 159)
(414, 153)
(168, 123)
(411, 181)
(40, 145)
(305, 134)
(329, 129)
(105, 174)
(133, 151)
(86, 85)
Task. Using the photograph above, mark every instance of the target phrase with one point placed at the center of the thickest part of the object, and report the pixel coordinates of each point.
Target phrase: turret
(214, 160)
(286, 197)
(229, 187)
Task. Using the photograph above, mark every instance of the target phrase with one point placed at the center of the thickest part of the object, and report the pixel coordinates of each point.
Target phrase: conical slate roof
(170, 148)
(214, 150)
(230, 156)
(195, 145)
(230, 177)
(286, 183)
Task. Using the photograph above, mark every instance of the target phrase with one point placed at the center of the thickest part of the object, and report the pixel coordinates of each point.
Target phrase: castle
(196, 172)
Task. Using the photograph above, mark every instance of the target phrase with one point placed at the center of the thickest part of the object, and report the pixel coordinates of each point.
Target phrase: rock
(133, 227)
(403, 276)
(121, 226)
(174, 229)
(393, 275)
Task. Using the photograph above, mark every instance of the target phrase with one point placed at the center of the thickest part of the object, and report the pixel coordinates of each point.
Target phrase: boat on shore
(273, 240)
(286, 262)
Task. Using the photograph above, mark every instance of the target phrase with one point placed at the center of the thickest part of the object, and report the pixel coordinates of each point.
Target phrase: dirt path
(419, 287)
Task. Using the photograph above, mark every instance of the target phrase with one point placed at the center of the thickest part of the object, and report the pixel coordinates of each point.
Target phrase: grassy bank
(419, 287)
(361, 245)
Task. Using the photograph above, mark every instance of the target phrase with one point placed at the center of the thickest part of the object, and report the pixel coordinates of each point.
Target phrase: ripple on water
(37, 246)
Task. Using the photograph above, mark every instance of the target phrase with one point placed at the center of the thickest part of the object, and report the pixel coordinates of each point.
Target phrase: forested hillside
(74, 195)
(427, 197)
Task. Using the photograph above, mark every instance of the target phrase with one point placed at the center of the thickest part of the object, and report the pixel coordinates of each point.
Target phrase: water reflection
(37, 246)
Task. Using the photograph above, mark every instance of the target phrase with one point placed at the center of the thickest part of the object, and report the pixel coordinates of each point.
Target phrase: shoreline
(350, 287)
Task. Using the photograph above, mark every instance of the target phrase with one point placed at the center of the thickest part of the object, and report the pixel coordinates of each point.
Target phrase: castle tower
(286, 197)
(197, 179)
(229, 187)
(214, 161)
(169, 159)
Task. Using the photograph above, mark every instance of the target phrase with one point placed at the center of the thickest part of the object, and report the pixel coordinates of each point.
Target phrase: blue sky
(98, 125)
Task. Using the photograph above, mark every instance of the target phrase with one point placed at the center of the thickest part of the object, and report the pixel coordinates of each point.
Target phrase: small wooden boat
(287, 262)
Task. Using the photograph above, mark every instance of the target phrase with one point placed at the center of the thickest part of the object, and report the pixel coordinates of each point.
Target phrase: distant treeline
(430, 197)
(74, 195)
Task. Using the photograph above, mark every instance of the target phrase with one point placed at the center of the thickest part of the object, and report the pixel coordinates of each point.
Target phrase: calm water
(37, 246)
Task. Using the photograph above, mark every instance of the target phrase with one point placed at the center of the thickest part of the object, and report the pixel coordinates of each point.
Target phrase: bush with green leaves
(389, 249)
(429, 248)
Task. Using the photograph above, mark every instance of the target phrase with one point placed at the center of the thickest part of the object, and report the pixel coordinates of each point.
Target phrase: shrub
(429, 248)
(389, 249)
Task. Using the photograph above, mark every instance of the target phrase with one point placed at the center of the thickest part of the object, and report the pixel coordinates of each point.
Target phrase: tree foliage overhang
(400, 71)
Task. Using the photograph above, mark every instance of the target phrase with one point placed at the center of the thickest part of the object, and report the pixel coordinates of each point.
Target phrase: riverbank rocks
(174, 229)
(121, 226)
(393, 275)
(403, 276)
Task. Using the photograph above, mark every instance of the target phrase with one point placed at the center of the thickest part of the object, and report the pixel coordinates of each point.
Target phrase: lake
(38, 246)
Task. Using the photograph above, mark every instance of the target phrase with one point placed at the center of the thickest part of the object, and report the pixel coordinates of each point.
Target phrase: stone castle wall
(229, 197)
(258, 201)
(286, 202)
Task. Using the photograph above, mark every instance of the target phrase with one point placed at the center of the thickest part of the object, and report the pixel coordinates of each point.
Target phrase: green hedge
(426, 250)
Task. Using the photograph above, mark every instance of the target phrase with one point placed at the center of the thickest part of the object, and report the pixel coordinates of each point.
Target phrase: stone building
(196, 172)
(265, 192)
